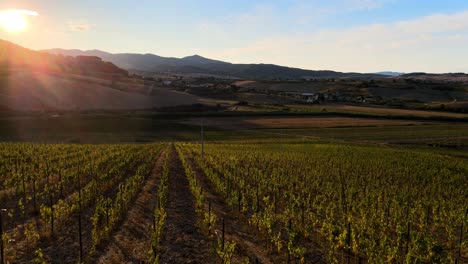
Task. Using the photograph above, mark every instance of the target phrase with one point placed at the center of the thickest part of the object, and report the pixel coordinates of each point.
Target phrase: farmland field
(30, 91)
(271, 201)
(298, 122)
(299, 140)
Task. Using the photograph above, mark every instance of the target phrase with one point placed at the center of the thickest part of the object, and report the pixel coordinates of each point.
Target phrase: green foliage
(60, 181)
(39, 259)
(400, 204)
(159, 214)
(225, 253)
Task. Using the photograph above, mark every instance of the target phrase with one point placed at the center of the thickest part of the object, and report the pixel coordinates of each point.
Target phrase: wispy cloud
(431, 43)
(312, 10)
(265, 20)
(364, 4)
(79, 26)
(23, 12)
(258, 20)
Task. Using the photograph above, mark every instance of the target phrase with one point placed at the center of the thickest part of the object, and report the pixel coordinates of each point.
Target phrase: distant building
(205, 85)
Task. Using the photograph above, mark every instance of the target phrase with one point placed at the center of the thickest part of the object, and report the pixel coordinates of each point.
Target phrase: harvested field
(396, 111)
(296, 122)
(27, 91)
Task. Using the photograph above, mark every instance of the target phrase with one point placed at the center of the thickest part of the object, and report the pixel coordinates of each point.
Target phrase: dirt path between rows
(64, 247)
(182, 240)
(131, 243)
(248, 244)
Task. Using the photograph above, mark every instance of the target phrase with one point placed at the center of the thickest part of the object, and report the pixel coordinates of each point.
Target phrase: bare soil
(131, 243)
(182, 240)
(248, 244)
(63, 246)
(33, 91)
(296, 122)
(396, 111)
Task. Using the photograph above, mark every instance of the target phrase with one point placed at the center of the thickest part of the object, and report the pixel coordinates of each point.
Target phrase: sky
(341, 35)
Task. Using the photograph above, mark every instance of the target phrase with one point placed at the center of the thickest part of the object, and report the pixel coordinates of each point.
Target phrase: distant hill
(445, 77)
(199, 65)
(37, 81)
(390, 73)
(13, 56)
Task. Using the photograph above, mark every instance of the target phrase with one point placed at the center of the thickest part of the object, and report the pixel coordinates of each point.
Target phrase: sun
(13, 21)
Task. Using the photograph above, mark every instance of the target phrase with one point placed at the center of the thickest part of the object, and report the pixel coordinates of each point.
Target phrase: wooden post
(107, 213)
(34, 194)
(79, 220)
(51, 203)
(303, 214)
(52, 211)
(258, 202)
(349, 243)
(209, 214)
(2, 256)
(275, 203)
(289, 231)
(60, 182)
(408, 238)
(24, 195)
(154, 217)
(239, 199)
(80, 238)
(460, 243)
(202, 139)
(223, 235)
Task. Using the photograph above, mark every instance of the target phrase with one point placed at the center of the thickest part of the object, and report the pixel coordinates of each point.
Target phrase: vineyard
(295, 201)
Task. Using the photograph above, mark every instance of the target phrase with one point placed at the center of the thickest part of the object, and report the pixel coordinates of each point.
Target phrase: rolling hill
(446, 77)
(200, 65)
(37, 81)
(13, 57)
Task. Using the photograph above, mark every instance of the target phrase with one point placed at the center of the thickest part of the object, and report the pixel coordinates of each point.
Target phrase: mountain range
(199, 65)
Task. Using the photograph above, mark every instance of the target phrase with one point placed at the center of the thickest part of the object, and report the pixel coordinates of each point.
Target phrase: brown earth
(396, 111)
(182, 240)
(131, 243)
(63, 245)
(35, 91)
(295, 122)
(250, 244)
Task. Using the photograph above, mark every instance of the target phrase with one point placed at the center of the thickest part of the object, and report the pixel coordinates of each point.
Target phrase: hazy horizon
(339, 35)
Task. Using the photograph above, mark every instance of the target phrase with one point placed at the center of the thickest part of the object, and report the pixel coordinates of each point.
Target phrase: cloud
(23, 12)
(263, 20)
(307, 11)
(364, 4)
(258, 20)
(434, 43)
(209, 28)
(79, 26)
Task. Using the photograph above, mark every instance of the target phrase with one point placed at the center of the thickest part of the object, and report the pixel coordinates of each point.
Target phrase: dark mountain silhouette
(199, 65)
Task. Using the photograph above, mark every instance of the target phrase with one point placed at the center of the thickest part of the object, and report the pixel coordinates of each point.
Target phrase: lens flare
(15, 20)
